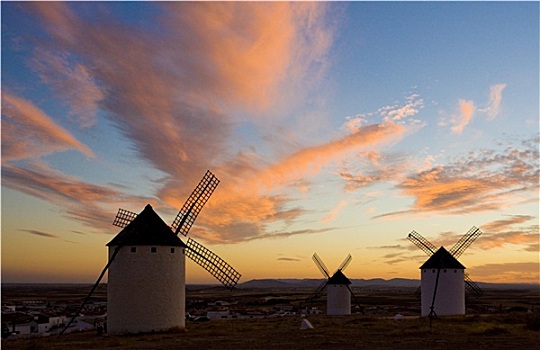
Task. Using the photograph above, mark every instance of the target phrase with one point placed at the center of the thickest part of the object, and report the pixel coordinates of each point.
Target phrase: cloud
(42, 234)
(467, 110)
(495, 98)
(73, 83)
(482, 181)
(288, 259)
(525, 272)
(464, 118)
(331, 216)
(93, 205)
(505, 224)
(28, 132)
(412, 107)
(401, 114)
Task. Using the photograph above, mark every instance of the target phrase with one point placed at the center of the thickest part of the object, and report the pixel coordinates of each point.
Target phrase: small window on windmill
(444, 270)
(172, 250)
(133, 249)
(455, 271)
(433, 271)
(153, 249)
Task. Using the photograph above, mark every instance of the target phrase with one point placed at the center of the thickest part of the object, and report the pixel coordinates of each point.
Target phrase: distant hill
(371, 283)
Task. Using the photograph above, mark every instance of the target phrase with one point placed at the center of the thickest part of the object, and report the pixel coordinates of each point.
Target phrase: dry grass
(334, 332)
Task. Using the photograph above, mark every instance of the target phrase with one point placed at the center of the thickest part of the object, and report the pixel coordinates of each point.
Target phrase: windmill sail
(345, 263)
(472, 287)
(465, 242)
(318, 291)
(320, 265)
(422, 243)
(124, 217)
(212, 263)
(194, 204)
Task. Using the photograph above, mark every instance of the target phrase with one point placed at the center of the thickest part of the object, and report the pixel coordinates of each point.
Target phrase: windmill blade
(465, 242)
(318, 291)
(212, 263)
(345, 263)
(472, 287)
(354, 298)
(422, 243)
(194, 204)
(320, 265)
(124, 217)
(115, 253)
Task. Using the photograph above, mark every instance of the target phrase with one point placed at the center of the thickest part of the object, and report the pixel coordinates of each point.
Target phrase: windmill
(337, 286)
(146, 284)
(444, 294)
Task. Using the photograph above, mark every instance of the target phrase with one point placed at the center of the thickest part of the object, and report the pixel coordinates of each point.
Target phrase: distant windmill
(337, 286)
(444, 293)
(146, 284)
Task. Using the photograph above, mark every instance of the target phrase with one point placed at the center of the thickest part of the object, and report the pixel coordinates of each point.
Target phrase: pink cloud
(331, 216)
(27, 132)
(93, 205)
(482, 181)
(495, 98)
(73, 83)
(466, 113)
(524, 272)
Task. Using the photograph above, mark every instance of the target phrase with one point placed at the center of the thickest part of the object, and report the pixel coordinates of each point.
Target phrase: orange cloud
(27, 132)
(523, 272)
(91, 204)
(466, 113)
(309, 161)
(331, 216)
(483, 181)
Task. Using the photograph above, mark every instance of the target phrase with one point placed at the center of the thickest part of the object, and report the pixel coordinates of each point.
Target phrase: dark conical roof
(147, 229)
(338, 278)
(442, 259)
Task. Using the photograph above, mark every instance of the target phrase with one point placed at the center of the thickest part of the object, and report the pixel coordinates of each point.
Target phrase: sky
(334, 127)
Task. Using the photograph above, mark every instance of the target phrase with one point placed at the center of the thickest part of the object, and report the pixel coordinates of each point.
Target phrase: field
(512, 326)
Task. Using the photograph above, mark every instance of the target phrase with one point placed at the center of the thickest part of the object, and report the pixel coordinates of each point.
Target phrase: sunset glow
(334, 128)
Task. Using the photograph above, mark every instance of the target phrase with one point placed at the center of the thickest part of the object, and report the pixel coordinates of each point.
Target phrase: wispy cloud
(466, 109)
(492, 108)
(288, 259)
(526, 272)
(91, 204)
(28, 132)
(485, 180)
(331, 216)
(74, 84)
(43, 234)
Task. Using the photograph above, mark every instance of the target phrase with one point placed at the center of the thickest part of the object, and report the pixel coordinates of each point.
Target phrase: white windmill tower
(443, 277)
(146, 284)
(337, 286)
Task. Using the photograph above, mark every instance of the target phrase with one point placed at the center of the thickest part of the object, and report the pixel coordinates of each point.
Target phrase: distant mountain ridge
(369, 283)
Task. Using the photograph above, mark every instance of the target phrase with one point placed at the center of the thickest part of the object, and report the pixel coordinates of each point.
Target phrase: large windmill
(443, 277)
(337, 286)
(146, 266)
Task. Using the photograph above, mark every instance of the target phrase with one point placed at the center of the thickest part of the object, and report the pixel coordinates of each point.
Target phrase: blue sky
(333, 127)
